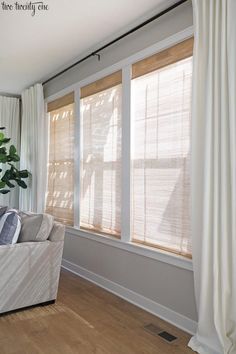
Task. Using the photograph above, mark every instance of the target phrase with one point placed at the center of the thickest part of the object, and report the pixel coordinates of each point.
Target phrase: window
(100, 168)
(161, 113)
(140, 195)
(59, 198)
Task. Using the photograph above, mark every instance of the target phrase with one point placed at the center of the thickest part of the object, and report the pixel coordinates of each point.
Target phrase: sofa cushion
(57, 233)
(35, 227)
(10, 226)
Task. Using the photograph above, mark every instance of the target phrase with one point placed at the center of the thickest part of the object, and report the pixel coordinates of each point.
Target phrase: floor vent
(167, 336)
(157, 331)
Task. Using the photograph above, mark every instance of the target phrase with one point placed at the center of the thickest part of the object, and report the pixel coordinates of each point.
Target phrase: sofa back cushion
(35, 227)
(57, 233)
(10, 226)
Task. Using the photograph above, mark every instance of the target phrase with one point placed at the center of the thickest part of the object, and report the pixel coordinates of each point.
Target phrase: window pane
(161, 111)
(59, 200)
(101, 161)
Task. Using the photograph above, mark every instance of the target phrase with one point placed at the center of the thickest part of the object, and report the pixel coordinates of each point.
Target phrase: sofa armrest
(29, 273)
(57, 233)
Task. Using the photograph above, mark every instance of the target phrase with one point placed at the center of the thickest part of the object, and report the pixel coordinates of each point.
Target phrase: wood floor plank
(86, 320)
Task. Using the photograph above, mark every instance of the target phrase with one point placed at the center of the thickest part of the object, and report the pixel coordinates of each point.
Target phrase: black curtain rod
(134, 29)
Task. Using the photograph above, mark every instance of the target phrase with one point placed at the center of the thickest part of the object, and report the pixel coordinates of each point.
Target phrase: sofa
(30, 268)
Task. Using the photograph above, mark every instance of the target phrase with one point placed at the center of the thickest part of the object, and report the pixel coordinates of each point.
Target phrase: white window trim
(125, 242)
(77, 150)
(142, 250)
(125, 154)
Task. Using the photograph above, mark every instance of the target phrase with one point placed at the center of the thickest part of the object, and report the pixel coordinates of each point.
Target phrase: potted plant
(11, 176)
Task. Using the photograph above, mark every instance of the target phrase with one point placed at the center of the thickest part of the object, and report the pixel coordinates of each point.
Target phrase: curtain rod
(134, 29)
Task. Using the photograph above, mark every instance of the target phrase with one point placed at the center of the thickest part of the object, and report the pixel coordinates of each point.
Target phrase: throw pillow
(10, 226)
(35, 227)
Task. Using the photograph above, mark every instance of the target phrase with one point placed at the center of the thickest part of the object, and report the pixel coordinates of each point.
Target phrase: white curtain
(34, 148)
(214, 175)
(10, 119)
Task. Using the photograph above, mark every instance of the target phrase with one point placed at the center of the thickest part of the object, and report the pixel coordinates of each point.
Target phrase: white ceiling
(34, 48)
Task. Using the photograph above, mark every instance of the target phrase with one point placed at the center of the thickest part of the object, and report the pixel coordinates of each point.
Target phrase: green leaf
(3, 150)
(21, 183)
(3, 158)
(2, 184)
(9, 175)
(12, 150)
(5, 140)
(6, 175)
(4, 191)
(24, 174)
(9, 184)
(16, 157)
(2, 136)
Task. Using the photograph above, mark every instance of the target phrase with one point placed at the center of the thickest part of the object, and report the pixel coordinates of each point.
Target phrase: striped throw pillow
(10, 226)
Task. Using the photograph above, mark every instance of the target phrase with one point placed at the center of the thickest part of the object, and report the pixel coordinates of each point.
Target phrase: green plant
(11, 176)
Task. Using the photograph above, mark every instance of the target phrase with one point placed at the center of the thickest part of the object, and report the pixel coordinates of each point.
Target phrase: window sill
(142, 250)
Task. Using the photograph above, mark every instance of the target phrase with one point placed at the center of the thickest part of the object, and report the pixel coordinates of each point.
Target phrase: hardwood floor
(85, 320)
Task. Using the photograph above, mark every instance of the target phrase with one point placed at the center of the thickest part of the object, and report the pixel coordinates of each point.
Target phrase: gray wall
(168, 285)
(165, 26)
(165, 284)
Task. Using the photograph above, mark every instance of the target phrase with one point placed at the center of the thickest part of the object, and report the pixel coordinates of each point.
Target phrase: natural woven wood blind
(59, 201)
(102, 84)
(100, 192)
(168, 56)
(61, 102)
(161, 120)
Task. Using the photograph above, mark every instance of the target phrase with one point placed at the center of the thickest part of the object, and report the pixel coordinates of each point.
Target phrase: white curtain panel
(10, 119)
(214, 175)
(34, 148)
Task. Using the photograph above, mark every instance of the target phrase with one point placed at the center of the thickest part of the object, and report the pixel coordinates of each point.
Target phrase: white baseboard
(154, 308)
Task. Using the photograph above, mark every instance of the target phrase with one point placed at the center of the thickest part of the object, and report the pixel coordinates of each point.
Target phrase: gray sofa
(29, 271)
